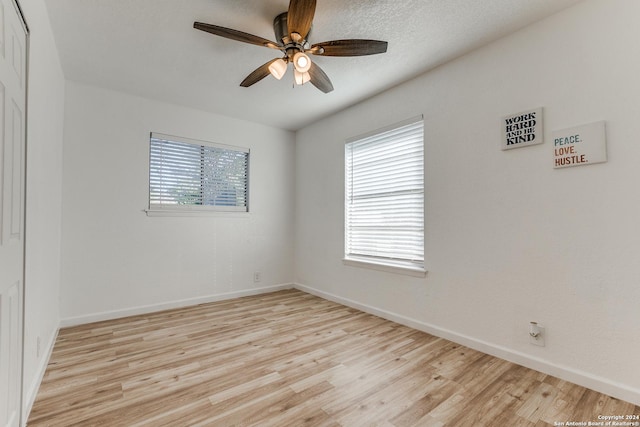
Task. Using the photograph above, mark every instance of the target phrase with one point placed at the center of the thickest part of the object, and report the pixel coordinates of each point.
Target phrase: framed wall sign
(580, 145)
(522, 129)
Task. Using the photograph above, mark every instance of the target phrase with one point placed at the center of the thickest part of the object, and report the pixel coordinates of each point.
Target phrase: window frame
(157, 209)
(394, 265)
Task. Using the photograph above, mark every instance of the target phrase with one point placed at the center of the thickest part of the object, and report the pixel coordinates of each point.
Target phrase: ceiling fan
(292, 29)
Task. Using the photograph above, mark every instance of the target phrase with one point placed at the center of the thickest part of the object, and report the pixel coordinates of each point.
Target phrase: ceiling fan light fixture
(301, 78)
(292, 29)
(301, 62)
(278, 68)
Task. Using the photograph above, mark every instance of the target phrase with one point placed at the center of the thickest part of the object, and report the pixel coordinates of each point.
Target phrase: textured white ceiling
(149, 48)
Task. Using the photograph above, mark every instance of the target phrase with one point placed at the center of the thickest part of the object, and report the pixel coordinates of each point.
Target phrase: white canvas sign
(522, 129)
(580, 145)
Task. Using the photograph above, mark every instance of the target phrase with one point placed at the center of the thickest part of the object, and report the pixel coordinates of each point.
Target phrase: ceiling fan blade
(350, 47)
(235, 35)
(258, 74)
(320, 79)
(300, 16)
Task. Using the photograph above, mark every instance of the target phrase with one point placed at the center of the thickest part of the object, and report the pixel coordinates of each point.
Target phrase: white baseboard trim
(585, 379)
(32, 392)
(145, 309)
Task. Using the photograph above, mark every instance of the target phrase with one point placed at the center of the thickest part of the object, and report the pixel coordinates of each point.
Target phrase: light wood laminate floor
(291, 359)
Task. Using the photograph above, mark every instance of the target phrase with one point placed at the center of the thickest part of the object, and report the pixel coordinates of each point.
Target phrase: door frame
(22, 416)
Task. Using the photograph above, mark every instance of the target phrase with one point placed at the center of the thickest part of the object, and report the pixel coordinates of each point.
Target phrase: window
(188, 175)
(384, 206)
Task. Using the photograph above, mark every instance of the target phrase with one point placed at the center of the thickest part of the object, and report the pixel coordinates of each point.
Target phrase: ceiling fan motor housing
(281, 29)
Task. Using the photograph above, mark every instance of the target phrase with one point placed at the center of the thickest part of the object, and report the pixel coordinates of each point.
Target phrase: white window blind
(196, 175)
(384, 218)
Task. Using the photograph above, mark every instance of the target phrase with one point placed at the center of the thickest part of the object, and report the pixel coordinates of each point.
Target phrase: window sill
(194, 212)
(407, 270)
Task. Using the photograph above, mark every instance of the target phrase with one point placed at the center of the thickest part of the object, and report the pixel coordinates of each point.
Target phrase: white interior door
(13, 60)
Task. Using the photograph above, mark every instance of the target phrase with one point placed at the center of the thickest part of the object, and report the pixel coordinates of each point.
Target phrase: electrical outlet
(257, 277)
(539, 340)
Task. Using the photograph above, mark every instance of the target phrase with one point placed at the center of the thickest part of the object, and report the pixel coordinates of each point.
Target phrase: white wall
(508, 239)
(44, 196)
(118, 261)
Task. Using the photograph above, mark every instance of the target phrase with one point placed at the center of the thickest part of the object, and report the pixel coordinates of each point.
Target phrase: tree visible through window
(197, 175)
(384, 196)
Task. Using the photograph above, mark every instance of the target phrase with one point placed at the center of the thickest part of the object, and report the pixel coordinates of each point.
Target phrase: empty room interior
(287, 213)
